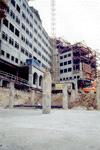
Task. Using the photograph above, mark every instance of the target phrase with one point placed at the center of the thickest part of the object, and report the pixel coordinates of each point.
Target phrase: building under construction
(75, 63)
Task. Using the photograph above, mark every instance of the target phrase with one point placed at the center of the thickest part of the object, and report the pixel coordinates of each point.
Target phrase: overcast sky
(75, 20)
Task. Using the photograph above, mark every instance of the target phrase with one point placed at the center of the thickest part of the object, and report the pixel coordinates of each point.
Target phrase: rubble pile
(84, 99)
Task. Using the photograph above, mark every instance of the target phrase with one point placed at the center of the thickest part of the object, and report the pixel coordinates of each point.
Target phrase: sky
(76, 20)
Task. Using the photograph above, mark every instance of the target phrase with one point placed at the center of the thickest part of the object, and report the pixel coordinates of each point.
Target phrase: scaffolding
(3, 7)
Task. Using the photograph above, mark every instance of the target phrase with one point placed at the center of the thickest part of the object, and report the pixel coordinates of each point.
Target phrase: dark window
(39, 36)
(24, 5)
(63, 78)
(31, 35)
(28, 11)
(69, 69)
(7, 10)
(30, 55)
(2, 52)
(70, 77)
(35, 50)
(23, 38)
(69, 62)
(13, 2)
(12, 14)
(27, 20)
(22, 49)
(27, 42)
(39, 27)
(65, 63)
(26, 53)
(67, 78)
(5, 22)
(78, 77)
(23, 26)
(65, 56)
(39, 53)
(30, 45)
(23, 15)
(7, 55)
(16, 60)
(61, 57)
(74, 77)
(31, 15)
(61, 71)
(16, 45)
(34, 58)
(35, 21)
(61, 64)
(12, 58)
(11, 27)
(27, 31)
(35, 40)
(69, 55)
(31, 25)
(60, 79)
(65, 70)
(4, 36)
(39, 44)
(17, 20)
(35, 31)
(18, 8)
(16, 32)
(11, 41)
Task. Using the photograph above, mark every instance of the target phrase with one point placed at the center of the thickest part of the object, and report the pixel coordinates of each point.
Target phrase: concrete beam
(46, 93)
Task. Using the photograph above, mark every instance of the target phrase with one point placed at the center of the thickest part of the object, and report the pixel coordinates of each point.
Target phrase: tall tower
(53, 35)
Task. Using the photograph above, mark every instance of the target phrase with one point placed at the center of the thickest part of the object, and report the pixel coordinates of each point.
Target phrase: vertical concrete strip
(1, 82)
(98, 91)
(11, 95)
(46, 93)
(65, 96)
(32, 96)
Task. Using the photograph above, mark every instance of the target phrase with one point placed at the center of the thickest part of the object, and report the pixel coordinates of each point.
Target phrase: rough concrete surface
(28, 129)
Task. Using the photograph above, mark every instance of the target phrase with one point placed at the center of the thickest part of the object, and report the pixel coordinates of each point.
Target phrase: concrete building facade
(23, 39)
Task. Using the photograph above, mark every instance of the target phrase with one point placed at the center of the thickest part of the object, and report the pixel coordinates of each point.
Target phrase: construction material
(46, 93)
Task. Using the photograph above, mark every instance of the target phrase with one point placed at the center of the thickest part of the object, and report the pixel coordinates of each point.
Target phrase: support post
(98, 91)
(1, 82)
(11, 95)
(32, 96)
(46, 93)
(65, 96)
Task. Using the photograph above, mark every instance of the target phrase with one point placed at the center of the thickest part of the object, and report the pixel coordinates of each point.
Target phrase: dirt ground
(24, 98)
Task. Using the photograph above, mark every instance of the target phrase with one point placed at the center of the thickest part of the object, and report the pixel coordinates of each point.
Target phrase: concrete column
(76, 86)
(11, 95)
(65, 96)
(46, 93)
(98, 91)
(30, 79)
(32, 96)
(1, 82)
(8, 84)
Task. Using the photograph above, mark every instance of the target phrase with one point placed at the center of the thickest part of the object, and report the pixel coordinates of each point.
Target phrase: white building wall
(41, 37)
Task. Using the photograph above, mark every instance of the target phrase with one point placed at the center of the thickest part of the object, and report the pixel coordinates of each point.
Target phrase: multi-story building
(76, 64)
(26, 48)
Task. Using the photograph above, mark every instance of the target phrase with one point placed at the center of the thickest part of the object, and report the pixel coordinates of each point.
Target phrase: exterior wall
(33, 30)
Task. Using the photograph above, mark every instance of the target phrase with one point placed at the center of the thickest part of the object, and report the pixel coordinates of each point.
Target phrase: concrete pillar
(46, 93)
(1, 82)
(8, 84)
(11, 95)
(30, 78)
(32, 96)
(98, 91)
(65, 96)
(76, 86)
